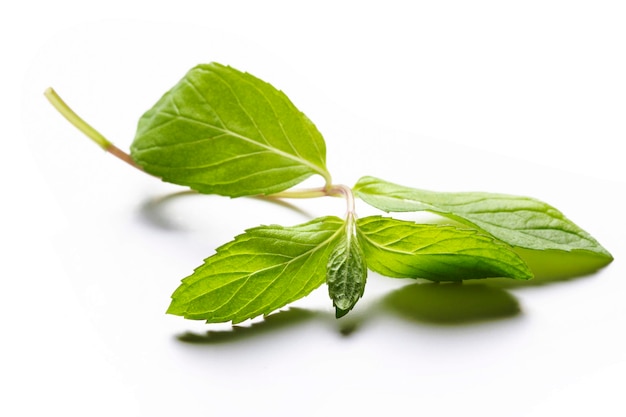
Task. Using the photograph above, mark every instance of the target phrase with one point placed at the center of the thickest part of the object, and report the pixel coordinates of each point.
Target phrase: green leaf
(519, 221)
(222, 131)
(402, 249)
(258, 272)
(346, 271)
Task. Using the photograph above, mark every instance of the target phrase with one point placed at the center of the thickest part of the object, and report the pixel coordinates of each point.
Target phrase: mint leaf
(258, 272)
(222, 131)
(402, 249)
(346, 271)
(519, 221)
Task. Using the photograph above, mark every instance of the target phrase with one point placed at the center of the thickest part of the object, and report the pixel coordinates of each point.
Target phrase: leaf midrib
(225, 131)
(472, 220)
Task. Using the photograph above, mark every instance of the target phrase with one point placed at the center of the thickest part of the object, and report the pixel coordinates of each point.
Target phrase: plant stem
(302, 193)
(334, 190)
(346, 192)
(86, 128)
(331, 190)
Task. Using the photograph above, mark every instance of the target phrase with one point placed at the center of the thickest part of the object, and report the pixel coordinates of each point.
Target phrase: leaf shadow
(451, 303)
(474, 301)
(153, 210)
(553, 266)
(272, 323)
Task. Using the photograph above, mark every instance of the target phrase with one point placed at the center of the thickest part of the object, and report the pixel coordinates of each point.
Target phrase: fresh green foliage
(222, 131)
(260, 271)
(403, 249)
(519, 221)
(346, 271)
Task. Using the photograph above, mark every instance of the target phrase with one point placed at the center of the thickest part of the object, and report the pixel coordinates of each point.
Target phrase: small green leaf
(346, 271)
(258, 272)
(402, 249)
(519, 221)
(222, 131)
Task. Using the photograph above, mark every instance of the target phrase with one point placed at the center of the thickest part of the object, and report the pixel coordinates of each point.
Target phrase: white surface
(524, 99)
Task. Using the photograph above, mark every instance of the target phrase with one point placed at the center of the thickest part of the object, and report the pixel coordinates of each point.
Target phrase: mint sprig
(226, 132)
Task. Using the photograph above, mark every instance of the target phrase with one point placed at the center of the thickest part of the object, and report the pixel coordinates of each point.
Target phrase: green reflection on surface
(451, 304)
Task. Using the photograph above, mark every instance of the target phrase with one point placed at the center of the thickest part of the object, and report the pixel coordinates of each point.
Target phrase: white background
(517, 97)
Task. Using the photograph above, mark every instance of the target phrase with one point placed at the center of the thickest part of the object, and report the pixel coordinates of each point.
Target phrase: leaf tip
(339, 312)
(176, 308)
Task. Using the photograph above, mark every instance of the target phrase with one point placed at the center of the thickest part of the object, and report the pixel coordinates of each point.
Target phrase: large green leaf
(222, 131)
(258, 272)
(402, 249)
(519, 221)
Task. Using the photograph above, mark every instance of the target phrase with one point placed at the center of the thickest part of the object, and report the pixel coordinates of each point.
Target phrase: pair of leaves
(268, 267)
(221, 131)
